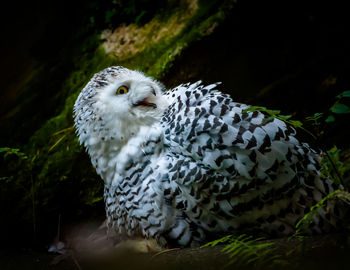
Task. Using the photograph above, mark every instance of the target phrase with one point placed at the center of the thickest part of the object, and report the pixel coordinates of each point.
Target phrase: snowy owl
(181, 166)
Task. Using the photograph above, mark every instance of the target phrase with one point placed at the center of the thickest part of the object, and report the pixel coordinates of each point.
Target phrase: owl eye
(122, 90)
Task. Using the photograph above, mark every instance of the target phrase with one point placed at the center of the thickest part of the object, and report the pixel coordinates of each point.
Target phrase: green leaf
(273, 111)
(254, 108)
(4, 149)
(95, 200)
(334, 151)
(340, 108)
(330, 119)
(269, 119)
(284, 117)
(295, 123)
(109, 14)
(344, 94)
(244, 250)
(342, 194)
(305, 222)
(139, 17)
(12, 151)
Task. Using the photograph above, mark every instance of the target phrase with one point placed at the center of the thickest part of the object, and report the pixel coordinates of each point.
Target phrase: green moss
(157, 58)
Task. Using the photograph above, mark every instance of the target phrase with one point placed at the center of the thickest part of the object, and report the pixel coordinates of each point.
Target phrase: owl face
(130, 92)
(116, 103)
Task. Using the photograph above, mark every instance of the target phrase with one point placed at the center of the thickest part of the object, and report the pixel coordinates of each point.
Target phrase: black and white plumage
(183, 164)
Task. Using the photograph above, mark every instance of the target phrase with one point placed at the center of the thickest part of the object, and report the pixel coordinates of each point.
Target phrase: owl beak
(145, 102)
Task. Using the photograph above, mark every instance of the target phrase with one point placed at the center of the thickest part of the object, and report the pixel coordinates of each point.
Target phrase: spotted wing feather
(233, 167)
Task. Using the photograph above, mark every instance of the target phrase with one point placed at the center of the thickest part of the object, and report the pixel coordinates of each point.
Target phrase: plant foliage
(332, 165)
(276, 114)
(244, 250)
(338, 107)
(304, 223)
(7, 151)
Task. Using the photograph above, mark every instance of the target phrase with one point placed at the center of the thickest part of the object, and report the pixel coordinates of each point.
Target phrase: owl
(185, 165)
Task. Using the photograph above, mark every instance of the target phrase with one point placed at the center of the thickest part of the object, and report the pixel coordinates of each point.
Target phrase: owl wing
(209, 128)
(230, 159)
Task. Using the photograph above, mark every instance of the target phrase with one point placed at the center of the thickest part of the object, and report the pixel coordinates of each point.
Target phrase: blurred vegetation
(246, 251)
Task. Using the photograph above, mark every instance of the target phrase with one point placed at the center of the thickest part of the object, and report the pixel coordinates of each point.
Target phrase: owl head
(115, 104)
